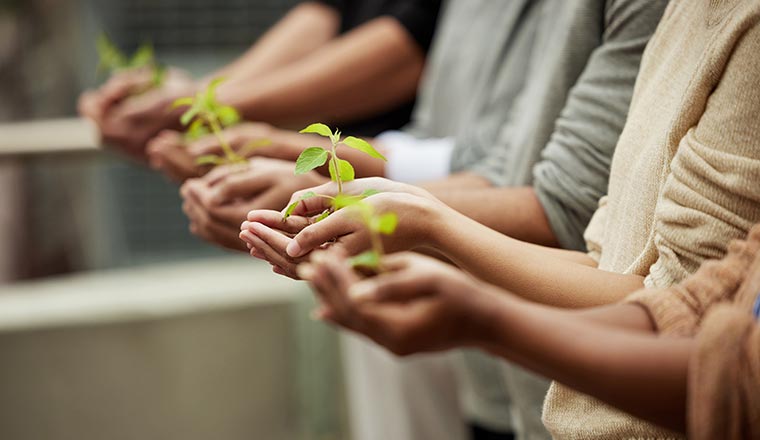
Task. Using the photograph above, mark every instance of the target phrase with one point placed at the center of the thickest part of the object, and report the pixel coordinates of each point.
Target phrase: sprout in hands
(113, 60)
(340, 170)
(206, 115)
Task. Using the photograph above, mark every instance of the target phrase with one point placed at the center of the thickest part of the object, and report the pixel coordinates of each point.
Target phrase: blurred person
(571, 109)
(681, 187)
(356, 62)
(683, 357)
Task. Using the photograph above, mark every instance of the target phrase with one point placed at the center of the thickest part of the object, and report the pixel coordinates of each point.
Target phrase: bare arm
(419, 305)
(639, 373)
(370, 69)
(303, 30)
(545, 275)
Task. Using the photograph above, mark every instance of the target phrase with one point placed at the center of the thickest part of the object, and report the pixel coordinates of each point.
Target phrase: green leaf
(183, 102)
(363, 146)
(343, 201)
(320, 129)
(111, 57)
(292, 207)
(209, 159)
(143, 57)
(347, 173)
(369, 260)
(189, 115)
(385, 224)
(159, 75)
(370, 193)
(197, 130)
(322, 216)
(250, 146)
(310, 159)
(228, 116)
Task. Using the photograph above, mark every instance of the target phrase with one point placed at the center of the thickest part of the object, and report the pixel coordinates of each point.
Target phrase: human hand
(417, 305)
(177, 158)
(128, 113)
(417, 218)
(218, 203)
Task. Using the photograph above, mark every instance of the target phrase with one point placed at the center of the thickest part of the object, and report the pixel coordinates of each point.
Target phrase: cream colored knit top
(685, 177)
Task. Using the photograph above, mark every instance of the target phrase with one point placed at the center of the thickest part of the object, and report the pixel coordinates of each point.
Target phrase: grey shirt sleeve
(573, 172)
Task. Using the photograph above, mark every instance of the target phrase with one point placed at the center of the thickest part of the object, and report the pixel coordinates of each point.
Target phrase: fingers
(273, 219)
(313, 236)
(209, 229)
(268, 244)
(167, 153)
(238, 186)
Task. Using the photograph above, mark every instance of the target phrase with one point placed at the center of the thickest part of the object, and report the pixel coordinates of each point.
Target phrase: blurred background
(115, 322)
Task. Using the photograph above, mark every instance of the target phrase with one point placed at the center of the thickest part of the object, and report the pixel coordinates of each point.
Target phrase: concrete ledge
(55, 136)
(143, 293)
(193, 351)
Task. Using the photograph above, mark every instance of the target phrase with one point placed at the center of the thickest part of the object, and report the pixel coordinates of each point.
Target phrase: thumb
(236, 186)
(400, 287)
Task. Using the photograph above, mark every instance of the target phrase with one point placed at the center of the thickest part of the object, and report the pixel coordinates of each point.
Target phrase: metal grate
(180, 25)
(144, 207)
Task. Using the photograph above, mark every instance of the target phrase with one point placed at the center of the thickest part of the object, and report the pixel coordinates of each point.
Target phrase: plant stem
(228, 151)
(337, 168)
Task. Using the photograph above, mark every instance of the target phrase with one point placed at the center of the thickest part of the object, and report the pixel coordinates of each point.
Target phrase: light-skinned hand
(218, 202)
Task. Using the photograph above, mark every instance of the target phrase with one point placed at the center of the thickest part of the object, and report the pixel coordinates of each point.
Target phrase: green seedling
(336, 203)
(205, 115)
(377, 225)
(341, 171)
(114, 60)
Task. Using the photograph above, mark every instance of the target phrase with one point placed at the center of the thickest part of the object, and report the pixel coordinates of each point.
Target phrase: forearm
(303, 30)
(515, 212)
(371, 69)
(639, 373)
(540, 274)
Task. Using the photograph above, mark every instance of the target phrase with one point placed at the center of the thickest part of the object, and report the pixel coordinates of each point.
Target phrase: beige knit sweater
(685, 177)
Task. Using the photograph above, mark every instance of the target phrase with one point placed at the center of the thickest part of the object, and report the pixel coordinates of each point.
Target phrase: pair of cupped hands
(416, 304)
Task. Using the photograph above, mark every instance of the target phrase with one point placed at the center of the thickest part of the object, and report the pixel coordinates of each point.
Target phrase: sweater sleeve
(574, 170)
(679, 310)
(711, 194)
(724, 376)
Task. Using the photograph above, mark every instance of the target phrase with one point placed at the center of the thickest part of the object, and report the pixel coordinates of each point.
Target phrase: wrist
(443, 226)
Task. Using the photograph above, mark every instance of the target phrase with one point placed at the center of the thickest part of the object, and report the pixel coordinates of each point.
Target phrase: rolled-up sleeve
(573, 173)
(724, 377)
(712, 194)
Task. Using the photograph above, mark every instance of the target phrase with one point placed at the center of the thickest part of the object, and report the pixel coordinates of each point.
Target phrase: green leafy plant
(377, 225)
(340, 170)
(113, 59)
(205, 115)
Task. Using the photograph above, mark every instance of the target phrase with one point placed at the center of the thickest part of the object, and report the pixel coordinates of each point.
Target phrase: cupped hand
(417, 221)
(218, 203)
(417, 305)
(129, 114)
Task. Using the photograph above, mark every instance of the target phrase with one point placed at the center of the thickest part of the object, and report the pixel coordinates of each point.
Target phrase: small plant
(206, 115)
(377, 225)
(113, 60)
(340, 170)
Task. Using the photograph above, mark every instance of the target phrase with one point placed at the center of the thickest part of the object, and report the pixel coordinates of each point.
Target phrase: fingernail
(246, 236)
(294, 249)
(305, 271)
(362, 291)
(245, 225)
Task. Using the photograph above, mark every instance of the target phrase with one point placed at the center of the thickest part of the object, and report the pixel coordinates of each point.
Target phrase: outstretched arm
(421, 305)
(368, 70)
